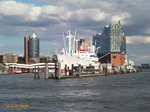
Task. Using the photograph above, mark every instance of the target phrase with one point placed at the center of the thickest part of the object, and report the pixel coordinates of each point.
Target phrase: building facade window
(114, 57)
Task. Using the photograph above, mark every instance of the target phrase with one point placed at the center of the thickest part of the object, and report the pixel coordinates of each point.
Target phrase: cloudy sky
(49, 18)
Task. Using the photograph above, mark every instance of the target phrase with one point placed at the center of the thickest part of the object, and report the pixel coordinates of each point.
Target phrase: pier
(54, 70)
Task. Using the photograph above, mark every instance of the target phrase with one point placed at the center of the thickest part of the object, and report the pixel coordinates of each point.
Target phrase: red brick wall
(15, 58)
(26, 39)
(117, 59)
(5, 59)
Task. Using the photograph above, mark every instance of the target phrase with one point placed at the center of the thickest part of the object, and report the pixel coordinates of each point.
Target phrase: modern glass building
(32, 46)
(111, 44)
(111, 40)
(102, 41)
(117, 39)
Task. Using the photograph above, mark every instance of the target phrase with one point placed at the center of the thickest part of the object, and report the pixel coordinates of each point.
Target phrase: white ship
(74, 52)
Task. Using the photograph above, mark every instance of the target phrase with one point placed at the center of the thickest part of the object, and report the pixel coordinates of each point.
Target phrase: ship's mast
(65, 50)
(74, 42)
(70, 38)
(72, 45)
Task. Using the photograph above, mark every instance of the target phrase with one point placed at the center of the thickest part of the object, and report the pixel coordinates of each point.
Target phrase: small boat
(18, 72)
(15, 72)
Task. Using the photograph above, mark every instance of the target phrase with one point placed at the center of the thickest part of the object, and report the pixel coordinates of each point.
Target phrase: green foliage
(42, 60)
(20, 62)
(1, 61)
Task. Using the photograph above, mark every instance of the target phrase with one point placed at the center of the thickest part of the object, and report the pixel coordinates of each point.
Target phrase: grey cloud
(20, 21)
(85, 23)
(140, 19)
(138, 53)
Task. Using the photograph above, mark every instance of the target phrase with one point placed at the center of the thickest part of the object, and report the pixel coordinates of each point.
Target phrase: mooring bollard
(79, 70)
(56, 70)
(72, 70)
(59, 71)
(35, 73)
(38, 73)
(65, 69)
(46, 71)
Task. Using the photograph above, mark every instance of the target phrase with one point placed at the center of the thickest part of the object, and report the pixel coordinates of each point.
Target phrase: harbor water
(112, 93)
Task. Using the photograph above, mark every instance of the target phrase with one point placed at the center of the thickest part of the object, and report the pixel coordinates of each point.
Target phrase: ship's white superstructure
(76, 54)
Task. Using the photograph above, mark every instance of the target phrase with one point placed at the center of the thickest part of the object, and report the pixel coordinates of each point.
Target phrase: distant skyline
(49, 18)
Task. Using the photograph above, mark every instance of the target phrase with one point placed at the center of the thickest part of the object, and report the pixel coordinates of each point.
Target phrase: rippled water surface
(113, 93)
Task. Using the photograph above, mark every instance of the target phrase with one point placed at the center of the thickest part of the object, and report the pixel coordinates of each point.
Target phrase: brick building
(9, 58)
(83, 44)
